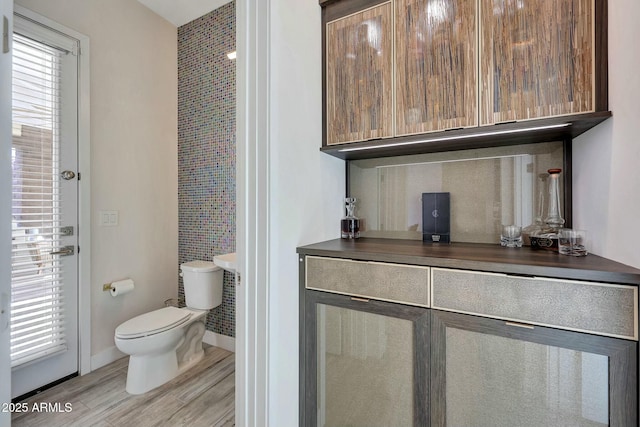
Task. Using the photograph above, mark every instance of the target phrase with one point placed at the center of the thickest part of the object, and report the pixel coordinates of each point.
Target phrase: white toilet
(168, 341)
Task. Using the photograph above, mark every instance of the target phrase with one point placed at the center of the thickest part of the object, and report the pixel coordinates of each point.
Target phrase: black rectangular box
(436, 218)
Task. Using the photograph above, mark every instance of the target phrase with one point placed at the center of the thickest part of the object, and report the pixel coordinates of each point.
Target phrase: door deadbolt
(66, 231)
(68, 175)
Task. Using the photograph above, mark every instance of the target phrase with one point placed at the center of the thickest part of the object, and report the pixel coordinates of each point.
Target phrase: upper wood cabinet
(358, 76)
(536, 59)
(397, 72)
(436, 63)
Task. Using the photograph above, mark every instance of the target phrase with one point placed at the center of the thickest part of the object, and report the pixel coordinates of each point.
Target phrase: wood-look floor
(202, 396)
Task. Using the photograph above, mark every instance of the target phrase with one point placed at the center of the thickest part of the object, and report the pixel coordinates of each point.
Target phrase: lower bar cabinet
(372, 363)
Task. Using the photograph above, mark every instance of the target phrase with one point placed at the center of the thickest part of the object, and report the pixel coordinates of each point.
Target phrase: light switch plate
(108, 218)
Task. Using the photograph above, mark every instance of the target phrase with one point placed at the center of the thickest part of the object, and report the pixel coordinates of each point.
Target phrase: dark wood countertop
(477, 256)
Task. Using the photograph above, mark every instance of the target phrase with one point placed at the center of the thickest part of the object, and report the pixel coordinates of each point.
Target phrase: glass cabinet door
(436, 65)
(487, 372)
(359, 75)
(536, 59)
(366, 363)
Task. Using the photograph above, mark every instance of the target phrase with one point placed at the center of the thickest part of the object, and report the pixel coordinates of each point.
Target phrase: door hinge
(5, 34)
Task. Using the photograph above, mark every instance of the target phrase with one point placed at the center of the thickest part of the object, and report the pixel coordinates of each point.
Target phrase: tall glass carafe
(538, 222)
(547, 238)
(554, 219)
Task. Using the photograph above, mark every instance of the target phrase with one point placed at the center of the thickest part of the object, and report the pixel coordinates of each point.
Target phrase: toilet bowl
(164, 343)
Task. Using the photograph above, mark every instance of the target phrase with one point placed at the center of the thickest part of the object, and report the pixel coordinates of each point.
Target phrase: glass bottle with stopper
(547, 238)
(538, 222)
(350, 225)
(554, 220)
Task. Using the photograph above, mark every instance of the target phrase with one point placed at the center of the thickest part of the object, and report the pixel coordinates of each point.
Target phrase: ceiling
(180, 12)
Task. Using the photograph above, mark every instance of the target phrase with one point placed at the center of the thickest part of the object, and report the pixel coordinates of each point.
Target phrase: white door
(6, 17)
(44, 261)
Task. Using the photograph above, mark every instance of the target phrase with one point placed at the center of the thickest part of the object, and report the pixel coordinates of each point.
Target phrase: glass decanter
(538, 222)
(554, 220)
(547, 238)
(350, 225)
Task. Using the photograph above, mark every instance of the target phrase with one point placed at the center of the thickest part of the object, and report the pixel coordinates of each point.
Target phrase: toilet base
(147, 372)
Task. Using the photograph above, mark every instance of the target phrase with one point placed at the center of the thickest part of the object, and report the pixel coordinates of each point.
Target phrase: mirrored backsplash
(488, 188)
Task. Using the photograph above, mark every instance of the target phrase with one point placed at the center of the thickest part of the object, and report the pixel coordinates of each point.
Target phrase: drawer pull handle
(360, 299)
(519, 325)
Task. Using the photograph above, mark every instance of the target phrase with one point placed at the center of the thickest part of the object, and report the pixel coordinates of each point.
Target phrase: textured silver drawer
(599, 308)
(406, 284)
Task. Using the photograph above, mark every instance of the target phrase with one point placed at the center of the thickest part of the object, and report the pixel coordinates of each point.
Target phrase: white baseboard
(105, 357)
(218, 340)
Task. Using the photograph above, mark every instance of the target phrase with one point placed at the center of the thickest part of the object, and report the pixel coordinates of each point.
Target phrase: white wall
(306, 187)
(133, 154)
(606, 160)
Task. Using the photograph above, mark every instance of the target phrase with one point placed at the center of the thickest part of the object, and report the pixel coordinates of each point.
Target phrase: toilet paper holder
(107, 287)
(119, 287)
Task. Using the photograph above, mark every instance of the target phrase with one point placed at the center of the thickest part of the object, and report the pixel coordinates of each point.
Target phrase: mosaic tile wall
(207, 150)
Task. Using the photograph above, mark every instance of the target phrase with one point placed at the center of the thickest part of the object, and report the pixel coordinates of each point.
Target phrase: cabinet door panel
(359, 76)
(367, 363)
(436, 72)
(488, 372)
(536, 59)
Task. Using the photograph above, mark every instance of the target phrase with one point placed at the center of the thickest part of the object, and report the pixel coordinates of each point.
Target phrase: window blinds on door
(37, 302)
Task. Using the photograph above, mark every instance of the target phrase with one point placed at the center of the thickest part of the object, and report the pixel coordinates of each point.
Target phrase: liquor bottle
(350, 225)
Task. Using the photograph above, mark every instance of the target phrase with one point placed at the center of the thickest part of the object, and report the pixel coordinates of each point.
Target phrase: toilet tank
(202, 284)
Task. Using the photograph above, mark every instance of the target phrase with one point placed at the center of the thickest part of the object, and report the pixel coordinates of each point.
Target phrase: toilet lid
(153, 322)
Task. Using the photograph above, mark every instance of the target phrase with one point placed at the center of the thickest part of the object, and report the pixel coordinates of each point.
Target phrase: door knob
(68, 175)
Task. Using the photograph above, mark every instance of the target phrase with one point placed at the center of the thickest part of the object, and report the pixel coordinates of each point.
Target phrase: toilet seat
(152, 323)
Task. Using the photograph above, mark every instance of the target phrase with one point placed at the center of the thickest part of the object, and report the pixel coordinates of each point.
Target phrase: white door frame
(84, 188)
(6, 11)
(84, 208)
(252, 291)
